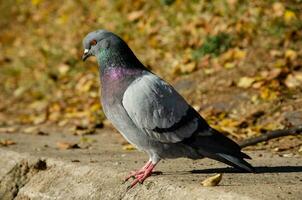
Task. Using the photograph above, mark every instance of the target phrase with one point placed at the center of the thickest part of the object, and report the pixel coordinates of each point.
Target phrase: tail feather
(216, 146)
(235, 162)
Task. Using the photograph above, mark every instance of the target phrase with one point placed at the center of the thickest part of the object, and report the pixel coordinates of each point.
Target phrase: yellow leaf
(36, 2)
(135, 15)
(63, 69)
(246, 82)
(239, 54)
(95, 107)
(278, 9)
(268, 94)
(62, 19)
(128, 147)
(229, 65)
(212, 181)
(280, 63)
(208, 71)
(67, 145)
(293, 80)
(8, 129)
(291, 54)
(88, 131)
(188, 68)
(87, 140)
(7, 142)
(229, 122)
(271, 126)
(289, 16)
(31, 129)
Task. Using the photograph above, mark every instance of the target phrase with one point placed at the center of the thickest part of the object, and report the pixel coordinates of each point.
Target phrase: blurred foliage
(256, 48)
(213, 45)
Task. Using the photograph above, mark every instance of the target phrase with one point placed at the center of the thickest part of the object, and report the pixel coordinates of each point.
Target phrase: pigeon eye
(93, 42)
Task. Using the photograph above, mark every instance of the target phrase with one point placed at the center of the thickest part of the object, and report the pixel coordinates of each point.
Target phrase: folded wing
(159, 111)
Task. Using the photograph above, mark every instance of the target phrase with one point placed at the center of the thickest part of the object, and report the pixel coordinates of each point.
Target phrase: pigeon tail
(216, 146)
(238, 163)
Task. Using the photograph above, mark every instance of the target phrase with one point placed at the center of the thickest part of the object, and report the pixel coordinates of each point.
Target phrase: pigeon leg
(138, 172)
(140, 178)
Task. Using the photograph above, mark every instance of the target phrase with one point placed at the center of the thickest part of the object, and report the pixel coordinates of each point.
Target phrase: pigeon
(150, 113)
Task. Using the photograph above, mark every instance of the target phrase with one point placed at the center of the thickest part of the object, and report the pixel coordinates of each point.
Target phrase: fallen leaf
(300, 149)
(278, 9)
(40, 119)
(63, 69)
(8, 129)
(246, 82)
(7, 142)
(290, 54)
(271, 126)
(188, 68)
(229, 65)
(289, 16)
(42, 133)
(36, 2)
(280, 63)
(67, 145)
(293, 80)
(212, 181)
(87, 140)
(128, 147)
(267, 94)
(239, 54)
(135, 15)
(31, 129)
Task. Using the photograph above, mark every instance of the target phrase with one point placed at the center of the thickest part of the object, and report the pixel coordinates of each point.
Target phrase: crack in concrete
(18, 176)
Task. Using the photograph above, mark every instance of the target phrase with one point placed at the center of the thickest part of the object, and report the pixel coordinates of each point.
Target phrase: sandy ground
(36, 168)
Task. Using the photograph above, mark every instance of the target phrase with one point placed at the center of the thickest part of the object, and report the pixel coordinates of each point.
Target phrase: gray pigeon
(150, 113)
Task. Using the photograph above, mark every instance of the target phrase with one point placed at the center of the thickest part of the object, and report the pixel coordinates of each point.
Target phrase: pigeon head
(96, 41)
(108, 48)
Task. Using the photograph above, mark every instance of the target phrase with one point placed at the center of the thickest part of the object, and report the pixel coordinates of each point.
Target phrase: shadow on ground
(275, 169)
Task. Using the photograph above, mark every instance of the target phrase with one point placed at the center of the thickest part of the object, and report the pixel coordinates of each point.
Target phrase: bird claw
(140, 176)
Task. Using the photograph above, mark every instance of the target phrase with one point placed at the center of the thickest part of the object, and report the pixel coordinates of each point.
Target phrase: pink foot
(141, 175)
(133, 174)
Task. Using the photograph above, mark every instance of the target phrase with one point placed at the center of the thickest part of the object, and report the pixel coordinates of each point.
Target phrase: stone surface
(35, 168)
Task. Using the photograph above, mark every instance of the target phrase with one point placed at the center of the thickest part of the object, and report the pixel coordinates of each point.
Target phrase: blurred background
(238, 62)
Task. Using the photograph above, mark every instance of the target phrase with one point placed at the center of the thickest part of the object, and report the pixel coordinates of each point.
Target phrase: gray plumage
(148, 111)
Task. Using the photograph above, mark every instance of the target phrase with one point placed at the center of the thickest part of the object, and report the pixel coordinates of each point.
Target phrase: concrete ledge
(36, 169)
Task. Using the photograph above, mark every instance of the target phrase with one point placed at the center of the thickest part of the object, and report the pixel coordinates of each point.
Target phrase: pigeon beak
(86, 54)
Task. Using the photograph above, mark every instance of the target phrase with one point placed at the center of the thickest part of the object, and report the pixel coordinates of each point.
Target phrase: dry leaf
(293, 80)
(36, 2)
(128, 147)
(268, 94)
(63, 69)
(280, 63)
(39, 119)
(188, 68)
(289, 16)
(300, 149)
(135, 15)
(7, 142)
(67, 145)
(31, 129)
(278, 9)
(229, 65)
(87, 140)
(212, 181)
(8, 129)
(246, 82)
(291, 54)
